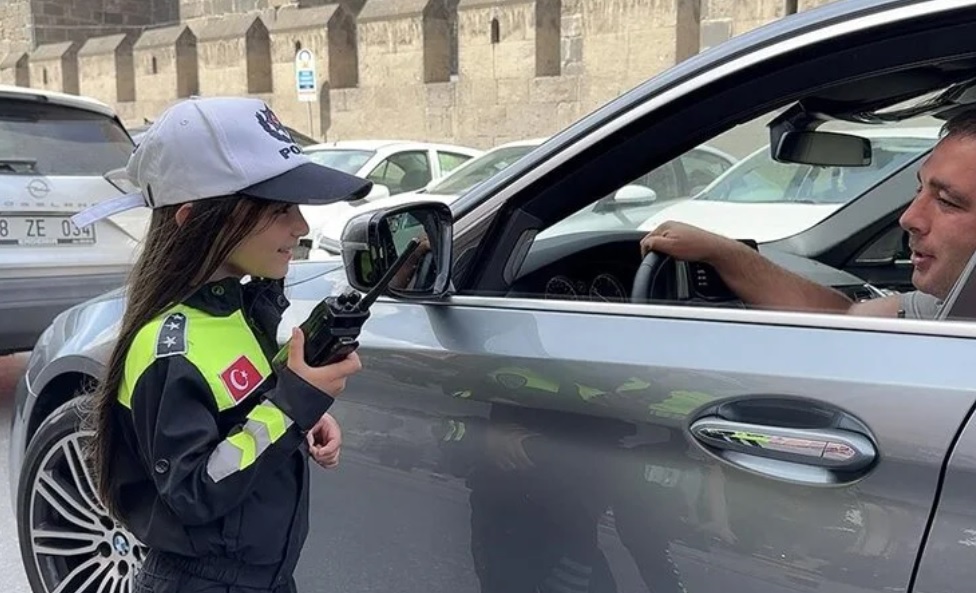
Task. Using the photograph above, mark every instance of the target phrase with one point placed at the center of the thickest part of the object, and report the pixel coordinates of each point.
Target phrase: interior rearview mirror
(827, 149)
(373, 241)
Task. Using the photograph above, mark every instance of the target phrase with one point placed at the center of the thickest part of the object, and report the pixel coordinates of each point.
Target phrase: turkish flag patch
(241, 378)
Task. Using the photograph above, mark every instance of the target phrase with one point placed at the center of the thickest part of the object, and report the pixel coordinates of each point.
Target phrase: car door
(946, 562)
(505, 442)
(537, 442)
(494, 444)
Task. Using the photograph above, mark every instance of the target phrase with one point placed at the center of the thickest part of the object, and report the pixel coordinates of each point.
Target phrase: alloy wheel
(77, 547)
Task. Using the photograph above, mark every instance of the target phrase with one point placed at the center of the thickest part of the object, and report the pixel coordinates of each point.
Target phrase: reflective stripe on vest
(265, 425)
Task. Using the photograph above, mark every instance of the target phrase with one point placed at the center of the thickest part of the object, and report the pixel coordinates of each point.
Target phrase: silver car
(58, 155)
(536, 414)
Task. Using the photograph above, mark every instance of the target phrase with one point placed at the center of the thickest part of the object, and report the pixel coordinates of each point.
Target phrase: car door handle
(827, 448)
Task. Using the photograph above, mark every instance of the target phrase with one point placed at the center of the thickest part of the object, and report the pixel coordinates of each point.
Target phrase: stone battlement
(476, 72)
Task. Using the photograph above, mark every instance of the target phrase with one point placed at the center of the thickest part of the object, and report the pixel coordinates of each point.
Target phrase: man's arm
(760, 282)
(883, 307)
(756, 280)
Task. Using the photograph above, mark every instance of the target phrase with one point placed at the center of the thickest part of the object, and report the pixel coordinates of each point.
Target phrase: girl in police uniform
(201, 447)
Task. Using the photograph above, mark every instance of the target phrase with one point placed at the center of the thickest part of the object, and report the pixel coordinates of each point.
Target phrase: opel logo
(38, 188)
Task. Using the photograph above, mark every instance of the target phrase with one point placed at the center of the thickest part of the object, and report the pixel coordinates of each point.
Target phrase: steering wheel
(656, 279)
(662, 278)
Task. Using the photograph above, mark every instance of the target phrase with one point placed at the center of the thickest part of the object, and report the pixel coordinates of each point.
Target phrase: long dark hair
(176, 260)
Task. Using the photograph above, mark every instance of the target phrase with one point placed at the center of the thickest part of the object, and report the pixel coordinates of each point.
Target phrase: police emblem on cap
(273, 126)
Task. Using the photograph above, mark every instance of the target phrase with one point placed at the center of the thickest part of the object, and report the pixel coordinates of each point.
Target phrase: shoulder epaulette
(172, 336)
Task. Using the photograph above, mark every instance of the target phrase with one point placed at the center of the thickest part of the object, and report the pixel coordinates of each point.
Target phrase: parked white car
(57, 155)
(677, 179)
(446, 189)
(399, 166)
(394, 167)
(765, 200)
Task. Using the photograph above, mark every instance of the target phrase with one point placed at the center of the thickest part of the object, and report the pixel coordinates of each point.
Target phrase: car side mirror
(635, 194)
(628, 195)
(825, 149)
(373, 241)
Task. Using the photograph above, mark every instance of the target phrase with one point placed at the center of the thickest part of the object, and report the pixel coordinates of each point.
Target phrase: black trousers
(167, 573)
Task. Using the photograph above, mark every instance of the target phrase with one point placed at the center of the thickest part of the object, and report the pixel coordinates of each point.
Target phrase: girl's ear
(182, 213)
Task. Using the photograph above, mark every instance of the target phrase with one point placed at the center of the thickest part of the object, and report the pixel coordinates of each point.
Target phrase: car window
(627, 208)
(760, 179)
(40, 139)
(451, 160)
(478, 169)
(403, 171)
(757, 197)
(345, 160)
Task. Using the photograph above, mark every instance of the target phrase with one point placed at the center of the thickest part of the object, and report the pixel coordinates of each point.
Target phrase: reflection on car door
(542, 446)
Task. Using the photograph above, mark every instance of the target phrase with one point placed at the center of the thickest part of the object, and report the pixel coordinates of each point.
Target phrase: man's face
(941, 221)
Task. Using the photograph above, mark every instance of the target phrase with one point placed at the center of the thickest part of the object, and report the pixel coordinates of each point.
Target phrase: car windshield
(345, 160)
(56, 140)
(761, 180)
(477, 170)
(757, 197)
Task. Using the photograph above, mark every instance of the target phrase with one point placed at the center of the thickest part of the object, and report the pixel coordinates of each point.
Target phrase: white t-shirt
(919, 305)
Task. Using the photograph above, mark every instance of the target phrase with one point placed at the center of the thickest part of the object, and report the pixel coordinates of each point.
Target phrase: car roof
(376, 145)
(42, 96)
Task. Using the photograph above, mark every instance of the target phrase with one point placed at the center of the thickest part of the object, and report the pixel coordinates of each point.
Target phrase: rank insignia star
(172, 336)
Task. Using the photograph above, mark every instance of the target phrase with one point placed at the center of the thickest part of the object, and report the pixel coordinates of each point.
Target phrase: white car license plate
(43, 230)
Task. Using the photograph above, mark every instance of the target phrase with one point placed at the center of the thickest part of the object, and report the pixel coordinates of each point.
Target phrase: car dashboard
(602, 272)
(601, 266)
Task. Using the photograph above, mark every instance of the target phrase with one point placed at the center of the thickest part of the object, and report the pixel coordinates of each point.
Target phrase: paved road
(14, 580)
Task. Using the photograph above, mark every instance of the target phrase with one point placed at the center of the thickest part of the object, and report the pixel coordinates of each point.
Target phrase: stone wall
(16, 35)
(54, 67)
(474, 72)
(235, 54)
(165, 70)
(15, 69)
(108, 66)
(78, 20)
(329, 32)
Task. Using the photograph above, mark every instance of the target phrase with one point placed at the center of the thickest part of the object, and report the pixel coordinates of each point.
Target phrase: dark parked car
(557, 422)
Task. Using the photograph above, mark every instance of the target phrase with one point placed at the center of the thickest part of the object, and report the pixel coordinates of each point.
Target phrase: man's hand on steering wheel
(684, 242)
(658, 276)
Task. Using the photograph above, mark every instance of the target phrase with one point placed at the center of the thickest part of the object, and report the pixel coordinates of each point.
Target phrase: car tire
(68, 542)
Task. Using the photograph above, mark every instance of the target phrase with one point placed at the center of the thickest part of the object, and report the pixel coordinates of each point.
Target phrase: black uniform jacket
(216, 462)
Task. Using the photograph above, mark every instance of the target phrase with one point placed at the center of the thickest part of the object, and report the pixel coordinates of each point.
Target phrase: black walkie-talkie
(332, 329)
